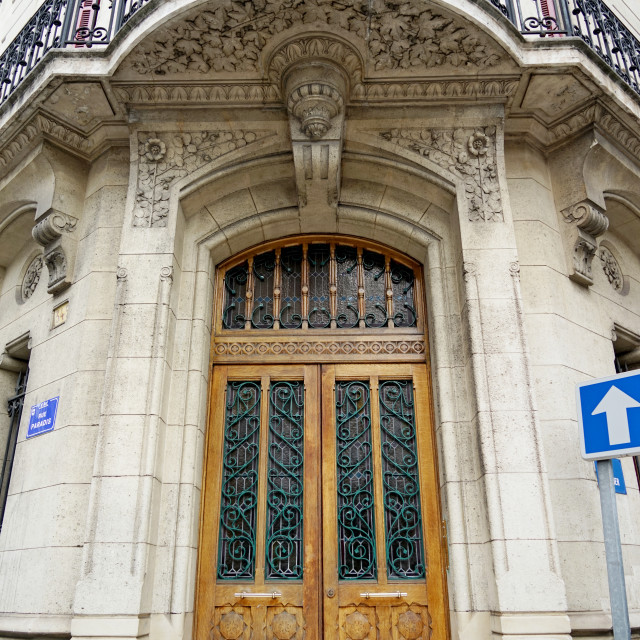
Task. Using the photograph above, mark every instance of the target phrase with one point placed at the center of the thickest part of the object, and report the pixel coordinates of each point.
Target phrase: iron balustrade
(83, 24)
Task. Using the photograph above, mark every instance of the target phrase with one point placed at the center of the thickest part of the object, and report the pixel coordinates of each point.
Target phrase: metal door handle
(393, 594)
(248, 594)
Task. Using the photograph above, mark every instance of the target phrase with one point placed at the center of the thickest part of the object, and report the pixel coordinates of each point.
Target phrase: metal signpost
(609, 417)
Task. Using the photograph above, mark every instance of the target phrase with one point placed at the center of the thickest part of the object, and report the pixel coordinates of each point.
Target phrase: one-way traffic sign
(609, 416)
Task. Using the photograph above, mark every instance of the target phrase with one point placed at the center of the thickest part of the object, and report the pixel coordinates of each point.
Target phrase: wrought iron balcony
(64, 24)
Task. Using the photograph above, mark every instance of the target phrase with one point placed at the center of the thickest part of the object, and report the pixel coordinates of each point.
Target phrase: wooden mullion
(249, 295)
(333, 285)
(362, 309)
(261, 524)
(277, 289)
(388, 287)
(381, 554)
(304, 286)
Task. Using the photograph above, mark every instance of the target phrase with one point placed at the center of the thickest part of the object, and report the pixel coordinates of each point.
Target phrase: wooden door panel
(259, 606)
(387, 605)
(321, 605)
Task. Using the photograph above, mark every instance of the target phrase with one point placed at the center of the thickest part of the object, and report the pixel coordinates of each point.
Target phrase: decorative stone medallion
(611, 269)
(357, 626)
(31, 278)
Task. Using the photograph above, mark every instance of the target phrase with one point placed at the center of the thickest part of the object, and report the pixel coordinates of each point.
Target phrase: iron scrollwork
(356, 516)
(238, 508)
(284, 545)
(401, 489)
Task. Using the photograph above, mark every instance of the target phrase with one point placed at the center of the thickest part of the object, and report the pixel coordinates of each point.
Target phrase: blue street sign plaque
(609, 416)
(43, 417)
(618, 477)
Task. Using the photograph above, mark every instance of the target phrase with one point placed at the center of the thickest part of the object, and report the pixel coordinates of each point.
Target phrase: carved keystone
(314, 91)
(54, 232)
(589, 222)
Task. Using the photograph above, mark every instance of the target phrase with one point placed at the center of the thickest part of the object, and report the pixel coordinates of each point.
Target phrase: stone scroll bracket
(55, 232)
(315, 91)
(586, 221)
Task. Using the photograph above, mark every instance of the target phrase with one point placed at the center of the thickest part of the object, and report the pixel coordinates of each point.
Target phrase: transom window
(319, 285)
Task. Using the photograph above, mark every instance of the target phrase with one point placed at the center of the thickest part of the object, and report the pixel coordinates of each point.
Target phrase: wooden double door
(320, 511)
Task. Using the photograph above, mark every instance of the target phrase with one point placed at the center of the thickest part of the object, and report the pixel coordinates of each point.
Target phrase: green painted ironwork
(291, 288)
(347, 316)
(319, 313)
(238, 508)
(235, 291)
(285, 476)
(374, 289)
(401, 487)
(402, 281)
(264, 266)
(356, 515)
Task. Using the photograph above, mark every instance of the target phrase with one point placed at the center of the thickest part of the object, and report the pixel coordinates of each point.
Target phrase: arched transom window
(319, 283)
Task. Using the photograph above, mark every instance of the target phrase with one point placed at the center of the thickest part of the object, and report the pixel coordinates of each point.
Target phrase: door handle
(393, 594)
(248, 594)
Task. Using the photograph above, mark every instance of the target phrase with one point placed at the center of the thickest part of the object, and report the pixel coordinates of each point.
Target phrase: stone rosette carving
(467, 153)
(166, 157)
(401, 35)
(611, 269)
(31, 278)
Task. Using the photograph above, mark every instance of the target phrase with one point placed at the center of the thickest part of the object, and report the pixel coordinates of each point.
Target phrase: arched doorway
(321, 514)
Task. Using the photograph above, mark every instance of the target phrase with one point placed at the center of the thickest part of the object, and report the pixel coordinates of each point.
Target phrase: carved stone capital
(52, 226)
(56, 261)
(584, 250)
(314, 93)
(588, 221)
(55, 233)
(314, 90)
(588, 216)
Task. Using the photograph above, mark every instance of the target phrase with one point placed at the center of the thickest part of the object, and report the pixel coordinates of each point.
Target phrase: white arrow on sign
(615, 404)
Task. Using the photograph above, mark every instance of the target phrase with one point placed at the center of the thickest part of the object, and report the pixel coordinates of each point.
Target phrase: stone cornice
(43, 127)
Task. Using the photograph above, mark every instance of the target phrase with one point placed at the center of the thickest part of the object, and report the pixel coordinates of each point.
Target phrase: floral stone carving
(168, 156)
(611, 269)
(31, 278)
(467, 153)
(231, 37)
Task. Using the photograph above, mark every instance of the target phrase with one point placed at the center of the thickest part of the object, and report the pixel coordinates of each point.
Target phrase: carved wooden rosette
(588, 221)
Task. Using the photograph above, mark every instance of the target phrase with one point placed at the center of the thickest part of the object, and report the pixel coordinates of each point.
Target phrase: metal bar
(392, 594)
(613, 550)
(247, 594)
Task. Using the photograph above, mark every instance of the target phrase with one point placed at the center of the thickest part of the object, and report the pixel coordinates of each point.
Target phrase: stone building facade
(505, 169)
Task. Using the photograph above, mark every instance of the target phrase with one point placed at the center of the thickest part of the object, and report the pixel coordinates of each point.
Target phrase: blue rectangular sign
(609, 416)
(618, 476)
(43, 417)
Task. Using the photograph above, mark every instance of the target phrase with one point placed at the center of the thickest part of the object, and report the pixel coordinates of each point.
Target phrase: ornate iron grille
(238, 508)
(58, 24)
(356, 515)
(285, 481)
(319, 286)
(401, 487)
(14, 409)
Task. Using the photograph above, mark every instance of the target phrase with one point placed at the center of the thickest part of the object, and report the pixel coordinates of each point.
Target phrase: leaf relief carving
(467, 153)
(399, 35)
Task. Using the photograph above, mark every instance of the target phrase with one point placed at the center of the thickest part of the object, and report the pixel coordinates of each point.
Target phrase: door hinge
(445, 544)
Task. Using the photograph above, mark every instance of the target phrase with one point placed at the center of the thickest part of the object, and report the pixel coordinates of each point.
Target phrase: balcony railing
(64, 24)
